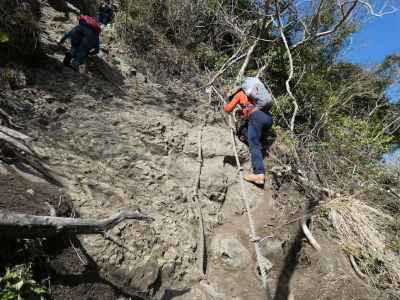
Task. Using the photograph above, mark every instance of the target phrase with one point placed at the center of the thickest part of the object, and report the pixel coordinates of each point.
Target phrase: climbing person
(253, 101)
(106, 13)
(85, 41)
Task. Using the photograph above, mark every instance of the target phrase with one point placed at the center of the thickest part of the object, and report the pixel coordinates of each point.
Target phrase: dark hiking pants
(258, 123)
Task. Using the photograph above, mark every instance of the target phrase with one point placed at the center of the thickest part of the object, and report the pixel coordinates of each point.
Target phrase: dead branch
(15, 134)
(16, 225)
(345, 16)
(231, 61)
(356, 269)
(14, 142)
(8, 119)
(372, 12)
(291, 69)
(245, 63)
(309, 236)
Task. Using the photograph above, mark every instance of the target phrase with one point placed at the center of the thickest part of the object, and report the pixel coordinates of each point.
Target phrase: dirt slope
(138, 150)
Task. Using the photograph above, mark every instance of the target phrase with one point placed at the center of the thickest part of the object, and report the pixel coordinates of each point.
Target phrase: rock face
(118, 141)
(138, 151)
(230, 251)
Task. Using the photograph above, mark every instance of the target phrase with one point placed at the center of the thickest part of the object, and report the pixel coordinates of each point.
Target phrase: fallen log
(16, 225)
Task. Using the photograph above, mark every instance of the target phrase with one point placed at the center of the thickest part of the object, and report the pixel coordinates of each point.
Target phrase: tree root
(309, 236)
(356, 269)
(15, 134)
(15, 143)
(15, 225)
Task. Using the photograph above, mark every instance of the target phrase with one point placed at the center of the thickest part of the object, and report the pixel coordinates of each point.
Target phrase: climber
(253, 101)
(84, 42)
(106, 13)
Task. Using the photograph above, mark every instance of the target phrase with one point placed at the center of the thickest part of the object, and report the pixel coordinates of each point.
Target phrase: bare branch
(15, 225)
(372, 12)
(231, 61)
(309, 236)
(17, 144)
(345, 16)
(246, 62)
(291, 69)
(340, 23)
(15, 134)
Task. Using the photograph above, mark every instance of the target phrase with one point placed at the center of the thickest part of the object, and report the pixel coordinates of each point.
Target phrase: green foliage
(3, 37)
(357, 137)
(352, 249)
(395, 246)
(17, 284)
(19, 25)
(370, 260)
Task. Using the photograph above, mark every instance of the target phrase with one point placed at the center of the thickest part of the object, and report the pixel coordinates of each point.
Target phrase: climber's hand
(93, 53)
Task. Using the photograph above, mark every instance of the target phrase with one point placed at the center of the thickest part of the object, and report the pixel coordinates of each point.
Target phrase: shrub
(19, 22)
(17, 283)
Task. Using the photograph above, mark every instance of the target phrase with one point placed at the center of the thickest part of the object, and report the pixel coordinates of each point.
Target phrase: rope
(253, 235)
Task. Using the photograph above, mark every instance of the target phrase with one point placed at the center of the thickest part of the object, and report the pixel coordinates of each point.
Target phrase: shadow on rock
(65, 83)
(70, 266)
(171, 294)
(291, 260)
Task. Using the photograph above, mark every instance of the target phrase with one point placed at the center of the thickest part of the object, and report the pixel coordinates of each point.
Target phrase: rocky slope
(118, 141)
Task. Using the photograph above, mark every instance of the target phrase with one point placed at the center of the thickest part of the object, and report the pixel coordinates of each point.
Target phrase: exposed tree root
(15, 143)
(15, 134)
(15, 149)
(309, 236)
(356, 269)
(14, 225)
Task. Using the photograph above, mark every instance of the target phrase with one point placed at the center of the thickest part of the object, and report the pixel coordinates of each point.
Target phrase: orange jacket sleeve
(239, 98)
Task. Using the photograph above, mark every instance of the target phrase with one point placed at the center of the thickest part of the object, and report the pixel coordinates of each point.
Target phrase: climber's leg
(242, 133)
(257, 123)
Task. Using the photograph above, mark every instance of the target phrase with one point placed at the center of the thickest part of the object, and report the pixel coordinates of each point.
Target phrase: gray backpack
(256, 90)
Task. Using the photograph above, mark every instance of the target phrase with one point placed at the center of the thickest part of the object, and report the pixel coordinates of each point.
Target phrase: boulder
(230, 252)
(213, 180)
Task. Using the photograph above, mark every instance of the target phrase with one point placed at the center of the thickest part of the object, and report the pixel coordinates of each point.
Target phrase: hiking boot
(258, 179)
(67, 59)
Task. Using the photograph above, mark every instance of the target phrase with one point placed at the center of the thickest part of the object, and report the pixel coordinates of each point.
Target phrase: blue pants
(79, 55)
(258, 122)
(83, 40)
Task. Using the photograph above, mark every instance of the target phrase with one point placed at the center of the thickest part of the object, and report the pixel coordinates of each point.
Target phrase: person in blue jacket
(85, 41)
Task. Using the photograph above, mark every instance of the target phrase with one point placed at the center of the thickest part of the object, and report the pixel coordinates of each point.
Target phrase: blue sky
(378, 38)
